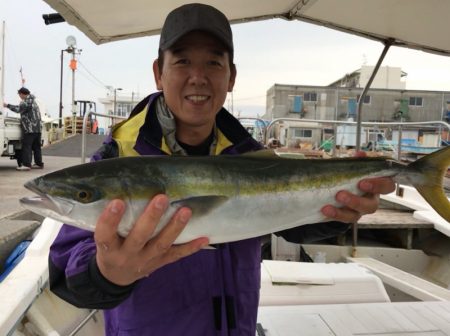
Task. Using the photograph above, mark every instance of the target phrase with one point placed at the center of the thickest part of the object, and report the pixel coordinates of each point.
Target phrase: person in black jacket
(30, 120)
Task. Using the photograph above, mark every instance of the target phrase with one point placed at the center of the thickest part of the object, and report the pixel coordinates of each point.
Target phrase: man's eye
(215, 63)
(182, 61)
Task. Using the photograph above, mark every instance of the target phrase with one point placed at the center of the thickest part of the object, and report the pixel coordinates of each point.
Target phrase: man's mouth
(197, 98)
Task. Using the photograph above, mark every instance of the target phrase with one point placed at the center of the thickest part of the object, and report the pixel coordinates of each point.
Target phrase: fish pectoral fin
(200, 205)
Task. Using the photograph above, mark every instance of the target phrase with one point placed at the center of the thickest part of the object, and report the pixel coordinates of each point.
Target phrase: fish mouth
(45, 204)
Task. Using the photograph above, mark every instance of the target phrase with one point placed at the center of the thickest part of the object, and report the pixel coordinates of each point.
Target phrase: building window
(366, 101)
(123, 109)
(310, 96)
(302, 133)
(415, 101)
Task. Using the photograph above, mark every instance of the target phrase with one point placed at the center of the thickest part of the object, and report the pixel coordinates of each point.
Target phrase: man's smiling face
(195, 78)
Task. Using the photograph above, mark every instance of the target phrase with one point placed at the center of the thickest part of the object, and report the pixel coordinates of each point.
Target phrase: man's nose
(198, 75)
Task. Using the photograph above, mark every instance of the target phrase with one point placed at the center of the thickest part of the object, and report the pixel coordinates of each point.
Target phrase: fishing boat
(372, 286)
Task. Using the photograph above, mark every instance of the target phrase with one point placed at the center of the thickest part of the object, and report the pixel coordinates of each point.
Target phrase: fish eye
(83, 196)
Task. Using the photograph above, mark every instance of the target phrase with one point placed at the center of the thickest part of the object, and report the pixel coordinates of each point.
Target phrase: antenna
(22, 79)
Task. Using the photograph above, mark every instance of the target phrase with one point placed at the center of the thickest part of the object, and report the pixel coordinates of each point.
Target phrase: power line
(93, 76)
(90, 79)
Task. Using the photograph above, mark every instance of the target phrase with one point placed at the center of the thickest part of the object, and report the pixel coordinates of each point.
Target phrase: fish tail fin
(432, 169)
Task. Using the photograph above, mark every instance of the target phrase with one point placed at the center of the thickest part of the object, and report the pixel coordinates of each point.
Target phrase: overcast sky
(266, 53)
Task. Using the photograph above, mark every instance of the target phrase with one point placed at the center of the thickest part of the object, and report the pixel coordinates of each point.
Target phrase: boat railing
(83, 132)
(399, 124)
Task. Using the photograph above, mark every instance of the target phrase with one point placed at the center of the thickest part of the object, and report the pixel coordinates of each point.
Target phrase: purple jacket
(213, 292)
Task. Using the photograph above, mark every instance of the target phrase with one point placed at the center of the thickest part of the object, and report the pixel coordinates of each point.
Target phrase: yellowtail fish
(231, 197)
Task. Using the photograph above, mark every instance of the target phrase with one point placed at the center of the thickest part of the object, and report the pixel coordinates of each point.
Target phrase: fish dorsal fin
(294, 156)
(263, 153)
(270, 154)
(200, 205)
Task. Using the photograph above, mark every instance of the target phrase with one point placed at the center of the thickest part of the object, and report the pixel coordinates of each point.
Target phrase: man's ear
(233, 73)
(157, 75)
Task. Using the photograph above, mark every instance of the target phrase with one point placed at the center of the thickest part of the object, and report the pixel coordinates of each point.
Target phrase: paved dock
(56, 156)
(12, 181)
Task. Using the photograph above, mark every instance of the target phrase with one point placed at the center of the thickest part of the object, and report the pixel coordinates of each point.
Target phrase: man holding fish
(149, 286)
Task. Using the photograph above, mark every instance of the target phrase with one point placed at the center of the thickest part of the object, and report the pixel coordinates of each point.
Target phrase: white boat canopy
(416, 24)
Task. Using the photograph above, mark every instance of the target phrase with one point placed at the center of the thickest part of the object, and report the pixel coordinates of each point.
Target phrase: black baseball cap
(23, 90)
(195, 16)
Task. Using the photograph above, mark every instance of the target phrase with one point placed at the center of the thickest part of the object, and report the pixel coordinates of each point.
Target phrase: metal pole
(115, 101)
(354, 239)
(83, 137)
(74, 111)
(334, 154)
(82, 323)
(399, 147)
(61, 90)
(387, 44)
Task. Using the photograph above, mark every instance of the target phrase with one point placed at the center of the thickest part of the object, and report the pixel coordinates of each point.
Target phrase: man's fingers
(379, 185)
(180, 251)
(344, 215)
(363, 204)
(353, 207)
(105, 234)
(146, 224)
(164, 240)
(176, 252)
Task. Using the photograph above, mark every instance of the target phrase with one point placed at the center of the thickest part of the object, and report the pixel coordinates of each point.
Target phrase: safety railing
(400, 125)
(83, 132)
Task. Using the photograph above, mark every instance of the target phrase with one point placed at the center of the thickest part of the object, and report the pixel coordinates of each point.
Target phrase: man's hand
(125, 260)
(357, 206)
(5, 105)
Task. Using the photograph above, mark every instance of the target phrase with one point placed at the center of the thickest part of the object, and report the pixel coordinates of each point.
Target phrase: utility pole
(73, 67)
(72, 42)
(67, 50)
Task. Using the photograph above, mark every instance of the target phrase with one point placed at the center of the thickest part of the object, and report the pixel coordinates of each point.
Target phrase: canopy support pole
(387, 45)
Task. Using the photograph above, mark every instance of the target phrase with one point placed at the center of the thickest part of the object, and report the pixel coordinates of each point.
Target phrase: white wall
(387, 77)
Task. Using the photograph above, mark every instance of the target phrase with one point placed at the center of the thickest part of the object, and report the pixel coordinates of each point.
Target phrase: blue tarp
(14, 258)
